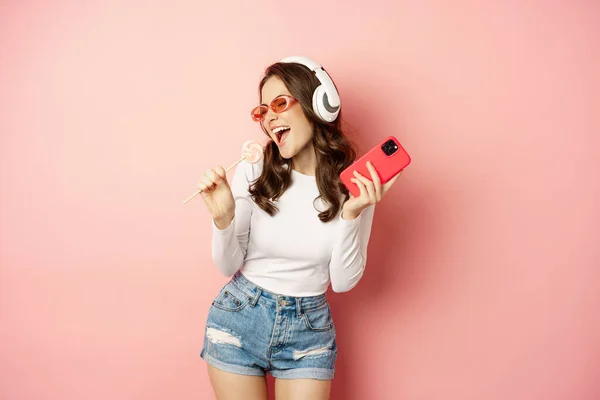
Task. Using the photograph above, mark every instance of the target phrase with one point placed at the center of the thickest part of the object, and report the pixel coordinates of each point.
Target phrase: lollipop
(252, 152)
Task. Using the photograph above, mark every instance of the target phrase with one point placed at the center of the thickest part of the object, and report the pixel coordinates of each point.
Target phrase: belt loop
(256, 297)
(298, 307)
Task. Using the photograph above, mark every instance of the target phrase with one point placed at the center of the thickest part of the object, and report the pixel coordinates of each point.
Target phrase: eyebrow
(279, 95)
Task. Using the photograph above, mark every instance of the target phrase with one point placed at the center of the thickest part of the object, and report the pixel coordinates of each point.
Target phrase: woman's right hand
(217, 196)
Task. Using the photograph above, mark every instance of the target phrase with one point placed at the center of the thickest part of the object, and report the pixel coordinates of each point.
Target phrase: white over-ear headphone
(326, 100)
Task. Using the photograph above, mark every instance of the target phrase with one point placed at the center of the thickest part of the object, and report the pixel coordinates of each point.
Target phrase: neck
(305, 162)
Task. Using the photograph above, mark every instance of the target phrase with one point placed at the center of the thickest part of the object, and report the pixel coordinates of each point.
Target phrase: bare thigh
(228, 386)
(302, 389)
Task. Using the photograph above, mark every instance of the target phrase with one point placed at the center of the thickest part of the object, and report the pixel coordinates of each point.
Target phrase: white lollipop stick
(252, 152)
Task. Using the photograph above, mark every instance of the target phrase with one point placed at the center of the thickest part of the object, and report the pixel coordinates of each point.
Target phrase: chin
(286, 155)
(287, 152)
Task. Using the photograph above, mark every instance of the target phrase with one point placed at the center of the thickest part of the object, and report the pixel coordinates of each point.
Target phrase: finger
(221, 173)
(376, 181)
(361, 187)
(368, 185)
(201, 187)
(207, 182)
(212, 175)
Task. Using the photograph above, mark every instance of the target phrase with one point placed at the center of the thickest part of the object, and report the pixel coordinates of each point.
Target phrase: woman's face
(296, 139)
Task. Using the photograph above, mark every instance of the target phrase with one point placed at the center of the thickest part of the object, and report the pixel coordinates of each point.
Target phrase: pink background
(483, 272)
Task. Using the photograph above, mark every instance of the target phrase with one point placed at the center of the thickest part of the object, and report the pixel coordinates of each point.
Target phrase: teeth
(281, 128)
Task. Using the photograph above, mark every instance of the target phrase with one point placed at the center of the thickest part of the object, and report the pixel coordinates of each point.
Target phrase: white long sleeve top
(291, 253)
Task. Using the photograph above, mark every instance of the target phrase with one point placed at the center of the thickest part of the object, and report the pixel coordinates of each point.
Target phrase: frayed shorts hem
(321, 374)
(235, 369)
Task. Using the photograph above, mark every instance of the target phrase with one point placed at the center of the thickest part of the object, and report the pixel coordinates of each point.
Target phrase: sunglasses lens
(279, 104)
(258, 113)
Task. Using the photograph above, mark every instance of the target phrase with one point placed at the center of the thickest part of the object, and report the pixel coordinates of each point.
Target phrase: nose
(270, 116)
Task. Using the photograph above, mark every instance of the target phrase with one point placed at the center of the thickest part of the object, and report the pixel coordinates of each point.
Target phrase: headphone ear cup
(319, 100)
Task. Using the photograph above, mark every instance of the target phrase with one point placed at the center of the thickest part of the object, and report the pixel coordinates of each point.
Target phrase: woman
(285, 229)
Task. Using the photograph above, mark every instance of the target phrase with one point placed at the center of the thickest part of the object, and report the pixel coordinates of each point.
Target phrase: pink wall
(483, 277)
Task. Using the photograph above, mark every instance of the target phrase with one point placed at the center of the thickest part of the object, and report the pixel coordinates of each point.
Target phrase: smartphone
(388, 158)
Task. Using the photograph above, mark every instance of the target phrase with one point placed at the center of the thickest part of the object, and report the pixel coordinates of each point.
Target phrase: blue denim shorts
(252, 331)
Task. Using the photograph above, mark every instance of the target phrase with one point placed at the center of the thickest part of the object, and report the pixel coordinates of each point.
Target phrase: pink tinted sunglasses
(278, 105)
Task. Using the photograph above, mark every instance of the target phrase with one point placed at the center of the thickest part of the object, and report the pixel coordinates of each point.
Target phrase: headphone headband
(326, 100)
(307, 62)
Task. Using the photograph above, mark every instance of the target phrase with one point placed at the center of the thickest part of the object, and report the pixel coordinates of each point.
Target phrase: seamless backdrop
(483, 272)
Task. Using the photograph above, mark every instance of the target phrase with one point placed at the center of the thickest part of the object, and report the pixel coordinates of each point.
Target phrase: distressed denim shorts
(252, 331)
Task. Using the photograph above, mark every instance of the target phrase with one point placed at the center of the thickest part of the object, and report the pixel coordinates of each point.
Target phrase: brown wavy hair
(333, 148)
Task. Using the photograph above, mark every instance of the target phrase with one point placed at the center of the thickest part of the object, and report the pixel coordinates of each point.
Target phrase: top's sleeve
(229, 245)
(349, 255)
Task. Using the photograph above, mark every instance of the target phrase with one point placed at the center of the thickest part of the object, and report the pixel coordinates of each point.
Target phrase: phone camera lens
(389, 147)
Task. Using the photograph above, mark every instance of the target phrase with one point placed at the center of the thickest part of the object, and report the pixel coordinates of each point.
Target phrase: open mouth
(281, 133)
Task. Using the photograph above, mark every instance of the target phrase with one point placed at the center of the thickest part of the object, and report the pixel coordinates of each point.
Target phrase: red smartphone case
(387, 165)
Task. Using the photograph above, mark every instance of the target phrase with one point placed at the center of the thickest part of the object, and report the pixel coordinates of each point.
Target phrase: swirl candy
(252, 152)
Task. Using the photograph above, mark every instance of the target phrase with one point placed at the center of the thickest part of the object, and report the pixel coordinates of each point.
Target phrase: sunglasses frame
(290, 101)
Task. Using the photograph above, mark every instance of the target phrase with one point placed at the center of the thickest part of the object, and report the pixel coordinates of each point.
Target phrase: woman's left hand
(371, 192)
